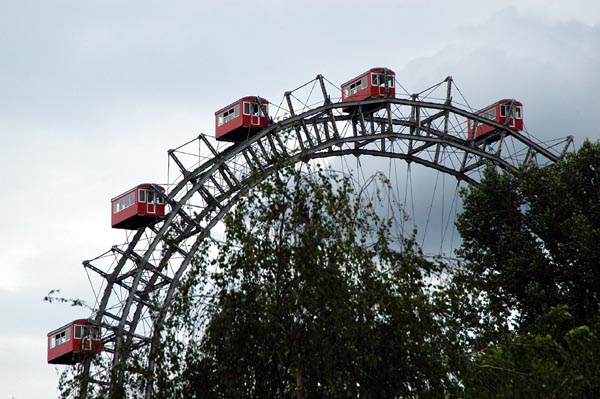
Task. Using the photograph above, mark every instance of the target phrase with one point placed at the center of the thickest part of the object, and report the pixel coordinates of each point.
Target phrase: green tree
(556, 364)
(532, 267)
(314, 298)
(531, 239)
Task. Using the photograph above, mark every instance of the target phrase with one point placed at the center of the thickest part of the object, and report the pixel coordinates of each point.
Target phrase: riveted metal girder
(140, 282)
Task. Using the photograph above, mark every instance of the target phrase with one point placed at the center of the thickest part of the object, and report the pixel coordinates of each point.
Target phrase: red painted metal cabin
(73, 342)
(375, 83)
(141, 206)
(241, 119)
(507, 112)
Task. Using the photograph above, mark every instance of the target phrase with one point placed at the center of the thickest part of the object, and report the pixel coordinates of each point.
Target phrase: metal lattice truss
(136, 281)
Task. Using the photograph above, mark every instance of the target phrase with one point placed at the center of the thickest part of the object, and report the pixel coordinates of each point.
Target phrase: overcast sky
(93, 94)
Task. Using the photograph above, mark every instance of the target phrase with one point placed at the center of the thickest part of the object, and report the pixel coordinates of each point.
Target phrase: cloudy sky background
(93, 94)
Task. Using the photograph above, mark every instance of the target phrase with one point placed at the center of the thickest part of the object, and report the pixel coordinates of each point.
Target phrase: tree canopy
(313, 297)
(532, 259)
(531, 238)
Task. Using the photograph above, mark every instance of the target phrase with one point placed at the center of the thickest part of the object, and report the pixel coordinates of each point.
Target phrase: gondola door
(255, 114)
(150, 203)
(383, 80)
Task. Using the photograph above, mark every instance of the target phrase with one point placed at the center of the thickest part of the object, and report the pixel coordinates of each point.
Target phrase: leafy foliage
(532, 264)
(314, 299)
(560, 365)
(531, 239)
(52, 297)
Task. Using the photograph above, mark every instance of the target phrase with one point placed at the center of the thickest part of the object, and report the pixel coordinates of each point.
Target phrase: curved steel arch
(155, 259)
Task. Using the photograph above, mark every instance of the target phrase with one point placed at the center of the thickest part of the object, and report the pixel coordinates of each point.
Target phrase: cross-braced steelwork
(137, 280)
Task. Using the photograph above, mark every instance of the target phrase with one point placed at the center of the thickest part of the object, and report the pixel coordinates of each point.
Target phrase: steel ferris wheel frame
(139, 278)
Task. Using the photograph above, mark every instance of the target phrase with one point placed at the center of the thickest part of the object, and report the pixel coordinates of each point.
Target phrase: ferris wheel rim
(206, 170)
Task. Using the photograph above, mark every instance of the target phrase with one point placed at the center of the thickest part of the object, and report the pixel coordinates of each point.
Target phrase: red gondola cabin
(141, 206)
(506, 112)
(241, 119)
(375, 83)
(73, 342)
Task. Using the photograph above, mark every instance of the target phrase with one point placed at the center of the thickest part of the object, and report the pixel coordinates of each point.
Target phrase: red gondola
(375, 83)
(507, 112)
(141, 206)
(73, 342)
(241, 119)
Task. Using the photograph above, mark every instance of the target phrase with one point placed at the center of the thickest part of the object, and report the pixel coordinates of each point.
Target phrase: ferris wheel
(370, 115)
